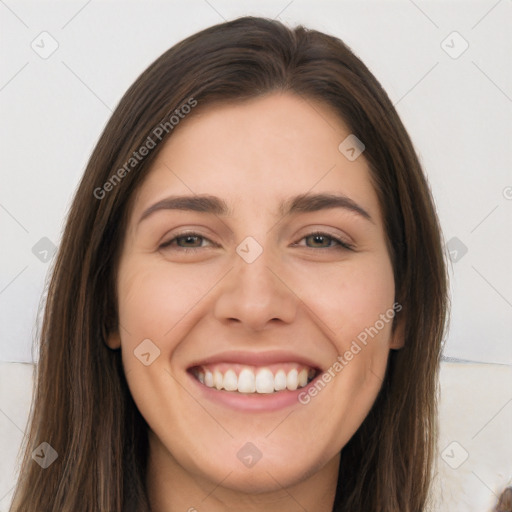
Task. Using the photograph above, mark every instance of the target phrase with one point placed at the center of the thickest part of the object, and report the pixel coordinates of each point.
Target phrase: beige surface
(15, 397)
(475, 422)
(475, 459)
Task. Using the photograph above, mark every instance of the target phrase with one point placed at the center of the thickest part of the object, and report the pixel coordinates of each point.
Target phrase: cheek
(348, 297)
(155, 301)
(157, 306)
(353, 305)
(355, 311)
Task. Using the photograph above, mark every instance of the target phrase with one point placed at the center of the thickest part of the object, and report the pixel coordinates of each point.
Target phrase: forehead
(257, 153)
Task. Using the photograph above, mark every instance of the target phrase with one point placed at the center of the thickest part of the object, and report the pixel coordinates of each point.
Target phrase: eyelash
(340, 244)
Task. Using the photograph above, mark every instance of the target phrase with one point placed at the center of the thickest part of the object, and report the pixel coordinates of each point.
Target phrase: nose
(256, 295)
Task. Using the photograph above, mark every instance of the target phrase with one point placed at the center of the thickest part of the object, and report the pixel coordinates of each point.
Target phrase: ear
(113, 340)
(398, 334)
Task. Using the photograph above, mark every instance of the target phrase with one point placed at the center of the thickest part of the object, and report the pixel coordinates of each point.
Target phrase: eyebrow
(306, 203)
(303, 203)
(197, 203)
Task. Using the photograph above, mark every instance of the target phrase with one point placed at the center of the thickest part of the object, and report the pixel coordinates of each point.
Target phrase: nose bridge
(256, 278)
(254, 293)
(255, 281)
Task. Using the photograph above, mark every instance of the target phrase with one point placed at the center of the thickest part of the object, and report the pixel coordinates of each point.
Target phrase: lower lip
(256, 402)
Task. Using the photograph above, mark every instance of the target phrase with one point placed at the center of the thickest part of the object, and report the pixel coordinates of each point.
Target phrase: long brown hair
(82, 406)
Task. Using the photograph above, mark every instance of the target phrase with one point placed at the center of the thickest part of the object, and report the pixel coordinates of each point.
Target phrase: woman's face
(255, 260)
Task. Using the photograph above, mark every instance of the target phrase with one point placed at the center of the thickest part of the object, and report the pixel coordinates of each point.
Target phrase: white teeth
(208, 378)
(292, 380)
(217, 379)
(230, 381)
(246, 381)
(302, 378)
(263, 382)
(280, 380)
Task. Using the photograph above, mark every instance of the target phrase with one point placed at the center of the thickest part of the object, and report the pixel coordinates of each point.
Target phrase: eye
(186, 242)
(319, 240)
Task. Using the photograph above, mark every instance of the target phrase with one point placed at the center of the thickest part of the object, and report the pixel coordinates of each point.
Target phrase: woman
(248, 304)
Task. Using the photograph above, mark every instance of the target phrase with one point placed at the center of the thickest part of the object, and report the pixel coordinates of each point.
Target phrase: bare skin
(303, 300)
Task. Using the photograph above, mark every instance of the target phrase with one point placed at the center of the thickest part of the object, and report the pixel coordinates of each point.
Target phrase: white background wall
(457, 110)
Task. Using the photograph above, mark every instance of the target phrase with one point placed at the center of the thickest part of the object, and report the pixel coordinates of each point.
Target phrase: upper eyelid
(339, 242)
(338, 239)
(184, 234)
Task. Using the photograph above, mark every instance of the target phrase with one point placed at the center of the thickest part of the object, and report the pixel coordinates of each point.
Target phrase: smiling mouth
(247, 379)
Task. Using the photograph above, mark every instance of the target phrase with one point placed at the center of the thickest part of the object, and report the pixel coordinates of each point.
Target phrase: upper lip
(256, 358)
